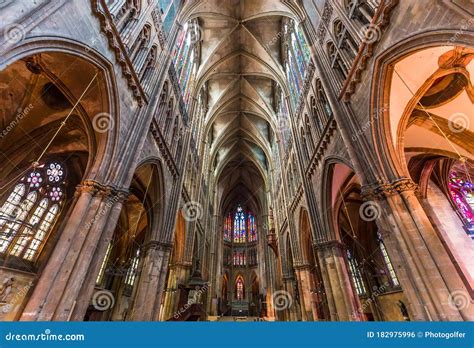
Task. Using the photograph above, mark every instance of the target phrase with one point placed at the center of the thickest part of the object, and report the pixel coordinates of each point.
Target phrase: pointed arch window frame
(31, 211)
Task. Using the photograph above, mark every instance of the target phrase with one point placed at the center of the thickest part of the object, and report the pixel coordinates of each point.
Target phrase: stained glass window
(184, 58)
(239, 226)
(302, 43)
(227, 228)
(252, 228)
(461, 187)
(30, 211)
(296, 61)
(239, 285)
(239, 258)
(355, 273)
(388, 263)
(132, 269)
(100, 277)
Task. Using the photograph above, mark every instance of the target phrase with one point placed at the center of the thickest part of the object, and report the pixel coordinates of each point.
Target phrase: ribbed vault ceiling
(241, 68)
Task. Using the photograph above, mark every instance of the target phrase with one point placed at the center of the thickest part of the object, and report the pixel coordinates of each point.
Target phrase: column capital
(96, 188)
(156, 245)
(381, 191)
(330, 244)
(302, 266)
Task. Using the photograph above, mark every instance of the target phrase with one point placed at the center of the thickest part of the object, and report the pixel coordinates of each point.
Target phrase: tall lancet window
(228, 228)
(461, 189)
(239, 288)
(239, 226)
(296, 59)
(252, 228)
(30, 211)
(185, 58)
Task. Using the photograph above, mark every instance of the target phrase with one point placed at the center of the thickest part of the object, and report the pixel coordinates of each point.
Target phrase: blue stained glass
(299, 56)
(252, 228)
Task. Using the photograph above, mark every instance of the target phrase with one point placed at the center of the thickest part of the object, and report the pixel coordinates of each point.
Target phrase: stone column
(306, 286)
(342, 301)
(287, 302)
(178, 275)
(147, 302)
(85, 295)
(56, 295)
(424, 268)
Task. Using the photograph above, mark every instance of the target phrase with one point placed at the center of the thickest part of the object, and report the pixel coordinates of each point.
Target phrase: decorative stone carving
(326, 16)
(382, 17)
(156, 245)
(119, 49)
(381, 191)
(107, 191)
(165, 152)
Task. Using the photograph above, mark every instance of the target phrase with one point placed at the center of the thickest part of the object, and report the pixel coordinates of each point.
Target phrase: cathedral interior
(237, 160)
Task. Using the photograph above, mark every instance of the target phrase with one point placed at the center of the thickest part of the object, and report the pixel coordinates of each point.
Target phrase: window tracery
(30, 211)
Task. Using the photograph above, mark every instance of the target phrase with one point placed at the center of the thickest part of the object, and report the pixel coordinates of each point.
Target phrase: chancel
(236, 160)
